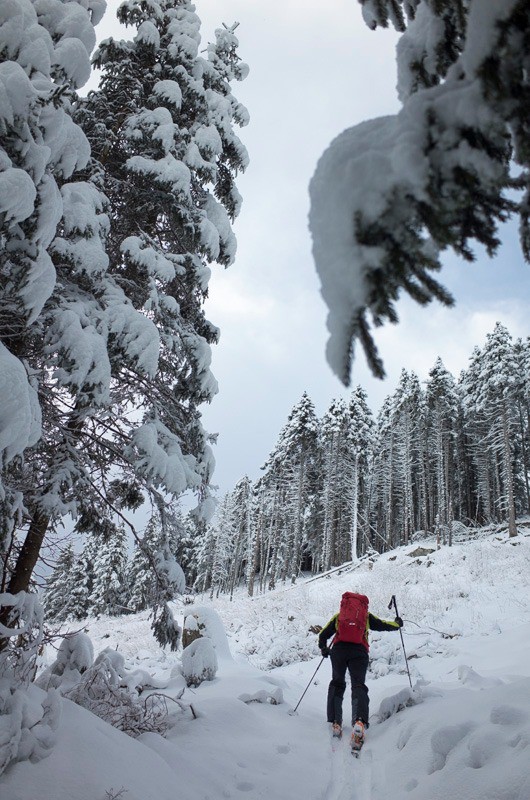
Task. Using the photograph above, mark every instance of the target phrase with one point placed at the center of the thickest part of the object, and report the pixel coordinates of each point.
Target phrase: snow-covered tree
(104, 293)
(161, 127)
(82, 580)
(360, 438)
(442, 404)
(59, 585)
(346, 437)
(141, 577)
(335, 494)
(242, 536)
(383, 498)
(522, 357)
(391, 194)
(494, 401)
(52, 230)
(288, 486)
(108, 587)
(223, 550)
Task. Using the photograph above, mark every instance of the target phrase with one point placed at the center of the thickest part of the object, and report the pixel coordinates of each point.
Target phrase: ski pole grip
(393, 603)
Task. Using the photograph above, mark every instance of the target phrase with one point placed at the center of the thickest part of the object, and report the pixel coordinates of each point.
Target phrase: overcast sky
(315, 69)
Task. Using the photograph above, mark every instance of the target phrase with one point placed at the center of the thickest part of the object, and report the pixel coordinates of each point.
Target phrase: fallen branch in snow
(430, 628)
(178, 701)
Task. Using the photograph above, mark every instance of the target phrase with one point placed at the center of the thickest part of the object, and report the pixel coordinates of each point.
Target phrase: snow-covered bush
(74, 656)
(75, 653)
(165, 627)
(205, 641)
(201, 621)
(199, 662)
(102, 692)
(29, 716)
(287, 646)
(134, 680)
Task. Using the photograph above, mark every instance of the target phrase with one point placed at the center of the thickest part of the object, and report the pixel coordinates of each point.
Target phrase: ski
(356, 750)
(357, 739)
(336, 738)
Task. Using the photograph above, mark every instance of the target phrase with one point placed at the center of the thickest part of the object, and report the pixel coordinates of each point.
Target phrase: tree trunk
(512, 527)
(29, 554)
(354, 534)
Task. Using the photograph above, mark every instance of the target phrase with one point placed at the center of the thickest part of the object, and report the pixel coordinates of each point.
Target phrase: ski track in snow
(351, 777)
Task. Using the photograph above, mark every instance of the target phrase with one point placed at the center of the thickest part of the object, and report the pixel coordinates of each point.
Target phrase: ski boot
(336, 730)
(357, 737)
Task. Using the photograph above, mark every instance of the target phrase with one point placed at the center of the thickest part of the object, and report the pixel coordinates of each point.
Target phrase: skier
(350, 628)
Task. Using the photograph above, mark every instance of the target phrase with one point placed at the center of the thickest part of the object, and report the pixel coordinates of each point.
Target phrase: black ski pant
(354, 658)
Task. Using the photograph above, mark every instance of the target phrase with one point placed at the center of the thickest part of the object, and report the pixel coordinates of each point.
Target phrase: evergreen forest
(439, 456)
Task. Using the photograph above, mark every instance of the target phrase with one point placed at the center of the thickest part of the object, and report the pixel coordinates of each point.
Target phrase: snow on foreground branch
(390, 194)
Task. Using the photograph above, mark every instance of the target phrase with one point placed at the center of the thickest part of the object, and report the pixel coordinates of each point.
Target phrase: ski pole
(306, 688)
(393, 603)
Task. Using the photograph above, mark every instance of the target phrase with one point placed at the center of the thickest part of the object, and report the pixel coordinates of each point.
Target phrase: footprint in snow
(444, 740)
(283, 748)
(507, 715)
(245, 786)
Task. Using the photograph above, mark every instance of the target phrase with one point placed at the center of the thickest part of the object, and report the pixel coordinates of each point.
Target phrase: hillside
(466, 735)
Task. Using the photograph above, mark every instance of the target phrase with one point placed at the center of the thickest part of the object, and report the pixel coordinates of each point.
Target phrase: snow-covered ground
(465, 737)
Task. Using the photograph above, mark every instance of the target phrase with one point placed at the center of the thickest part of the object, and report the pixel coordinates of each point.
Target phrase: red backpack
(353, 615)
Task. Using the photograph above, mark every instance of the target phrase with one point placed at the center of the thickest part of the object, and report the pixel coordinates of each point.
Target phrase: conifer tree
(161, 128)
(522, 357)
(495, 398)
(383, 498)
(360, 439)
(242, 539)
(52, 227)
(442, 404)
(409, 478)
(140, 575)
(288, 486)
(82, 580)
(108, 587)
(125, 327)
(59, 586)
(223, 550)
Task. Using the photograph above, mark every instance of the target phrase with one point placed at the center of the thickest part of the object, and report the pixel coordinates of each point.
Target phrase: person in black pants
(354, 658)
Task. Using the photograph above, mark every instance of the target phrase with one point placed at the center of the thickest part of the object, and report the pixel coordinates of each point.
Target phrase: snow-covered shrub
(74, 656)
(190, 631)
(199, 662)
(100, 691)
(130, 679)
(28, 720)
(28, 716)
(165, 628)
(201, 621)
(289, 648)
(75, 653)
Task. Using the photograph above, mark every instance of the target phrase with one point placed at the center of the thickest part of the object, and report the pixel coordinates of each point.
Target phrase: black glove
(399, 621)
(325, 651)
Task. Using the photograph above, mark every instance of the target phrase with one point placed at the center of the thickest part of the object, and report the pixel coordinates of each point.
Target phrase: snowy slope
(467, 736)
